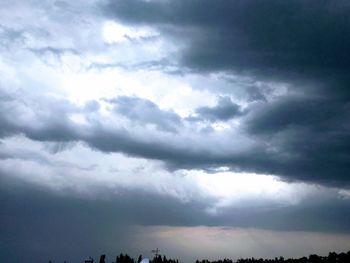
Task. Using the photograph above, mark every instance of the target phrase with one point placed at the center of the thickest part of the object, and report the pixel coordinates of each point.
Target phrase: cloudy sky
(208, 129)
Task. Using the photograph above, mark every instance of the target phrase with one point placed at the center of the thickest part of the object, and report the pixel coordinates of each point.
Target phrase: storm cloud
(304, 45)
(223, 111)
(133, 120)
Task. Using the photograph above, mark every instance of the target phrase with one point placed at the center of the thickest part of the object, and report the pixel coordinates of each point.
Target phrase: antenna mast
(155, 252)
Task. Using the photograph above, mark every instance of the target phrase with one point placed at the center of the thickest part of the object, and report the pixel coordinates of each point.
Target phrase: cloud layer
(169, 115)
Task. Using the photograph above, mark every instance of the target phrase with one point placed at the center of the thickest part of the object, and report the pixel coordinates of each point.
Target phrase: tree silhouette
(102, 258)
(332, 257)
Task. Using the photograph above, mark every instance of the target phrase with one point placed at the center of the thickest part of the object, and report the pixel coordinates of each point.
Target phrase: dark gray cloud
(297, 112)
(294, 41)
(297, 137)
(294, 136)
(309, 134)
(303, 44)
(38, 224)
(46, 120)
(146, 112)
(49, 121)
(289, 38)
(223, 111)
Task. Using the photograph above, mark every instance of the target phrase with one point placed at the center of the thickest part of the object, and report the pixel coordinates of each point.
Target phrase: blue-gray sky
(206, 128)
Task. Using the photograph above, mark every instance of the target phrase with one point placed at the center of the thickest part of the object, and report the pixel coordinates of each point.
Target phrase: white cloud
(78, 170)
(116, 33)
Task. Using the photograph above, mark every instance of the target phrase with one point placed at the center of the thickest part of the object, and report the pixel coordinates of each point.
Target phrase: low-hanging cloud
(304, 45)
(287, 156)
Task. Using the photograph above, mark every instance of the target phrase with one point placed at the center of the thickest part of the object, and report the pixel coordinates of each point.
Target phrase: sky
(204, 128)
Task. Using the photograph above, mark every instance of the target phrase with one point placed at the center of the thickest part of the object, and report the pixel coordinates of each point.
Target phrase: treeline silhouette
(331, 258)
(127, 259)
